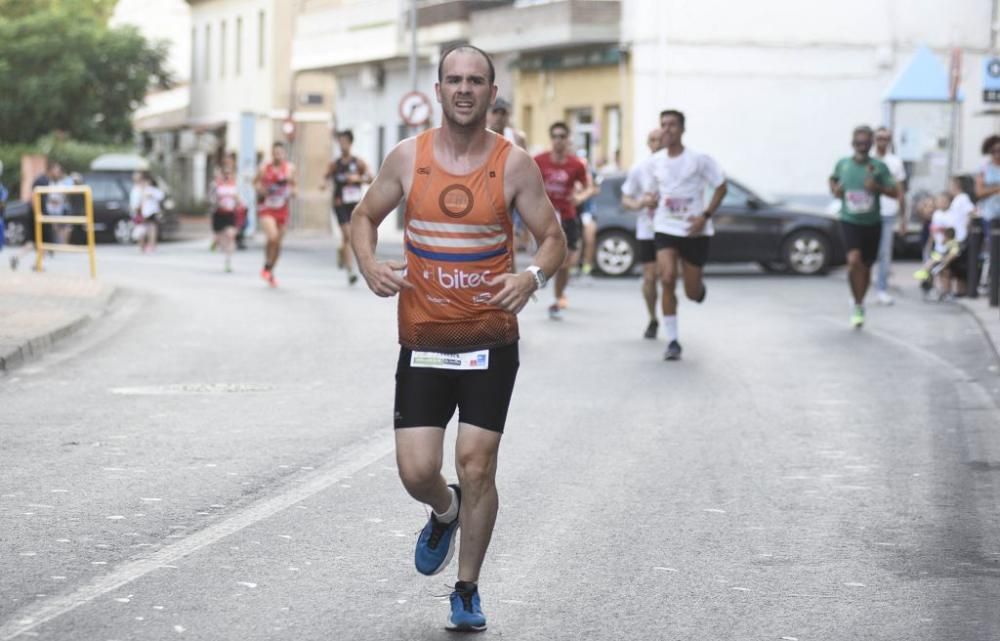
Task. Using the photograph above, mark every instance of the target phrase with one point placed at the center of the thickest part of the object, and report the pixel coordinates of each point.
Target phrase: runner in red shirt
(275, 184)
(561, 173)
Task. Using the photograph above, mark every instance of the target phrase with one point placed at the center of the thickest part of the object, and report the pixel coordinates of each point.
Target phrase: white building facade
(773, 88)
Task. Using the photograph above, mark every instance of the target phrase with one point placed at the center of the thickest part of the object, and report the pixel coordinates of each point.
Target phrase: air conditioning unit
(371, 77)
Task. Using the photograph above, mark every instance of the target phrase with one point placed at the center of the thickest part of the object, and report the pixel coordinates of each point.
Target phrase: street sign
(991, 80)
(415, 109)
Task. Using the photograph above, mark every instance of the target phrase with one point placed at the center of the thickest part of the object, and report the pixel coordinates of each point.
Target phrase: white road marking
(348, 461)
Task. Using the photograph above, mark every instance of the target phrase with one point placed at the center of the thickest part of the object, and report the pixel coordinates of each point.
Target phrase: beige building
(566, 66)
(240, 82)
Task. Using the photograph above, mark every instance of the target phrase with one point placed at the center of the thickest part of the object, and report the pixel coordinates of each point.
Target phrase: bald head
(654, 140)
(491, 76)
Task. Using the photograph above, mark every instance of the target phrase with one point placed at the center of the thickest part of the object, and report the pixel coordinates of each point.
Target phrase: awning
(924, 79)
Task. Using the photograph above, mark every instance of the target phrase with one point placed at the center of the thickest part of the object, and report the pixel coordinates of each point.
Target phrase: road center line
(348, 461)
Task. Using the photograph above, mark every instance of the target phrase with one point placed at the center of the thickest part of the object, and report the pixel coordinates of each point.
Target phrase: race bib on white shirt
(469, 361)
(350, 194)
(636, 186)
(859, 201)
(680, 183)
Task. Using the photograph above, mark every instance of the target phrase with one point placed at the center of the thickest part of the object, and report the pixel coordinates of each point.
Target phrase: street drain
(193, 388)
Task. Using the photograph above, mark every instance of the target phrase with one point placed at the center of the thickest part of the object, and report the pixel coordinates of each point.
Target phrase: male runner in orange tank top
(458, 301)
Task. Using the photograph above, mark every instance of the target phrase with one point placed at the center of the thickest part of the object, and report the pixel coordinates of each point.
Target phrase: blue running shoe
(466, 613)
(436, 543)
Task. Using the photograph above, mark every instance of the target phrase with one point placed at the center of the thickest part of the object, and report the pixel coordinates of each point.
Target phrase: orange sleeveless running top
(458, 233)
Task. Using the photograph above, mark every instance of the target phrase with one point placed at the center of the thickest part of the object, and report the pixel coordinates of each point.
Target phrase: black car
(748, 228)
(112, 220)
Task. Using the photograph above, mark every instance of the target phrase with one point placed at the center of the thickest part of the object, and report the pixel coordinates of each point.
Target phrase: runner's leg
(151, 229)
(476, 462)
(666, 264)
(649, 288)
(418, 457)
(694, 287)
(345, 244)
(228, 242)
(270, 228)
(858, 275)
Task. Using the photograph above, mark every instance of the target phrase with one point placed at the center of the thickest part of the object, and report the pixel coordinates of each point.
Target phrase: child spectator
(939, 265)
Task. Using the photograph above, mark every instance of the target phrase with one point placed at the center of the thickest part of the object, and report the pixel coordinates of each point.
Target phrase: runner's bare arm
(587, 189)
(717, 196)
(698, 223)
(382, 197)
(366, 174)
(524, 185)
(835, 188)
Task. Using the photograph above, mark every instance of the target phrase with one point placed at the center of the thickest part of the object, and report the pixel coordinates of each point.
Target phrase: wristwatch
(540, 278)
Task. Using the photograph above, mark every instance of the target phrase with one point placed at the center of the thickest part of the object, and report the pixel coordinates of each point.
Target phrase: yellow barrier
(87, 220)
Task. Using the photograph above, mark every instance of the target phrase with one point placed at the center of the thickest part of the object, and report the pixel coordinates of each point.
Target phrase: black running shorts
(571, 228)
(343, 213)
(693, 249)
(865, 238)
(645, 251)
(427, 397)
(221, 220)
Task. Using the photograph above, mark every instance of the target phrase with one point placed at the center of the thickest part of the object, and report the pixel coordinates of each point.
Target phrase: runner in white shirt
(682, 225)
(893, 212)
(637, 196)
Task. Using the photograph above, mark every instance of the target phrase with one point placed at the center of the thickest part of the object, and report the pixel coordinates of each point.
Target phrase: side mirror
(753, 203)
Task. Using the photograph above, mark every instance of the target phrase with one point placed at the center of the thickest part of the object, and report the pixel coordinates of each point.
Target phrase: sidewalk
(36, 310)
(987, 317)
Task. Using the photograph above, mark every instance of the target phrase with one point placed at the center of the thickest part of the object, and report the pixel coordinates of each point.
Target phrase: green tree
(69, 72)
(99, 10)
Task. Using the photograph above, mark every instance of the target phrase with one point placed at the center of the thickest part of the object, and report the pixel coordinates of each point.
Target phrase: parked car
(112, 219)
(748, 228)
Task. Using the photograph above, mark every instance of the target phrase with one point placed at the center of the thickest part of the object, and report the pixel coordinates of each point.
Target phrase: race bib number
(677, 207)
(859, 202)
(478, 360)
(276, 201)
(227, 203)
(351, 194)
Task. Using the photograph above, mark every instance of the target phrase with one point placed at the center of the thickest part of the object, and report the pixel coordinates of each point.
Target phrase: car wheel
(807, 252)
(616, 253)
(15, 233)
(123, 231)
(773, 266)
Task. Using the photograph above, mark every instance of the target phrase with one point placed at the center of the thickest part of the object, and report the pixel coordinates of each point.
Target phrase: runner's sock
(670, 326)
(452, 512)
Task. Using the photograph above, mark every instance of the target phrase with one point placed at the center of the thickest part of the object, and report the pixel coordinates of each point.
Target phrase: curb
(37, 346)
(992, 335)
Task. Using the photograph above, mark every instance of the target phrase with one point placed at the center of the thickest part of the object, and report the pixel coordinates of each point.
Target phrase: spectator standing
(894, 214)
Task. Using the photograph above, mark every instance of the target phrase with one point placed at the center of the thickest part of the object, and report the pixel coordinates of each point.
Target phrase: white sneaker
(884, 298)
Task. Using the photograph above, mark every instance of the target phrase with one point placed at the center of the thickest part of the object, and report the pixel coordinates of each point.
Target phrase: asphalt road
(214, 461)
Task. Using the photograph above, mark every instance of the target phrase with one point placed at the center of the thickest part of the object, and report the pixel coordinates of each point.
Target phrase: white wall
(168, 20)
(773, 88)
(364, 110)
(223, 96)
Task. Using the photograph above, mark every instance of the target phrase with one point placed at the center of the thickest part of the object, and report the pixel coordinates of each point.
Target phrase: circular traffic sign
(993, 68)
(415, 109)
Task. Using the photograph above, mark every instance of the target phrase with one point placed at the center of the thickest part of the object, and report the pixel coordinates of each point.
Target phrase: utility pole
(413, 45)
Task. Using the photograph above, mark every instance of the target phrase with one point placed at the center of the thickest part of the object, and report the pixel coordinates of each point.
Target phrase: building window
(222, 49)
(208, 52)
(260, 39)
(194, 53)
(239, 45)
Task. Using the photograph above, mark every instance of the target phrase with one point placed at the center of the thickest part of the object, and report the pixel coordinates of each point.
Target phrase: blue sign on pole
(247, 167)
(991, 80)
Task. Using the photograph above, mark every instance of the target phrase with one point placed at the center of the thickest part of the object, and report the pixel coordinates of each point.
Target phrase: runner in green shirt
(858, 181)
